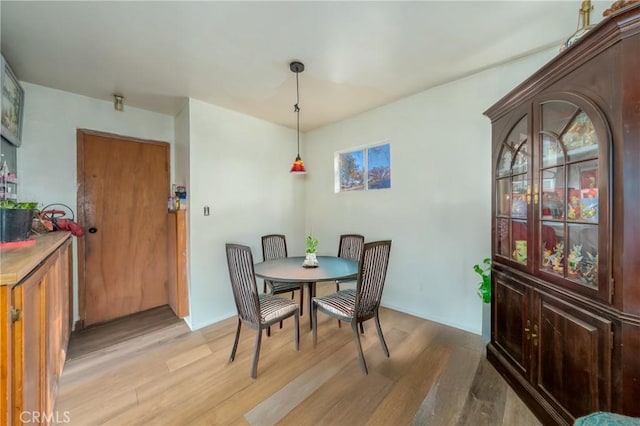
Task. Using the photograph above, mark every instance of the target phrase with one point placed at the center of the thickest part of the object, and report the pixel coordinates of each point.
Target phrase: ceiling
(236, 54)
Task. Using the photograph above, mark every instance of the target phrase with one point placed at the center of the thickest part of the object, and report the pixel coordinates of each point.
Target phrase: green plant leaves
(484, 289)
(312, 244)
(10, 204)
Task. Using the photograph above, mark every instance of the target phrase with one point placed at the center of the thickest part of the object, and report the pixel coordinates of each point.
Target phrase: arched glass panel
(556, 115)
(580, 139)
(504, 164)
(569, 178)
(520, 163)
(552, 153)
(513, 194)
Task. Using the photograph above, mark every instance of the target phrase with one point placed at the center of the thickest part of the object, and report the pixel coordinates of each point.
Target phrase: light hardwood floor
(150, 369)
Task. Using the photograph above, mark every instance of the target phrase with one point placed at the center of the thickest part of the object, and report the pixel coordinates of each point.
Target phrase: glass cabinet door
(513, 195)
(569, 202)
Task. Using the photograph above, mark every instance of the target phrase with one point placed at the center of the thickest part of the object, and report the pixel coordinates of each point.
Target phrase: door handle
(93, 230)
(534, 335)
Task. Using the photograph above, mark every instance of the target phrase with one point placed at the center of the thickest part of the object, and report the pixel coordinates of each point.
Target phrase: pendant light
(298, 164)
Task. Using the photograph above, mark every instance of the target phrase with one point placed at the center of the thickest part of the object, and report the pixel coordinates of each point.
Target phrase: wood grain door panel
(123, 195)
(510, 316)
(574, 353)
(29, 339)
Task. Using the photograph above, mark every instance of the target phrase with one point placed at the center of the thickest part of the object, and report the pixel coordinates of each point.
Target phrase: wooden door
(122, 204)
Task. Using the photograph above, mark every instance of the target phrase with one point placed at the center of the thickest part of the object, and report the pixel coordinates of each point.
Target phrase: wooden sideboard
(35, 325)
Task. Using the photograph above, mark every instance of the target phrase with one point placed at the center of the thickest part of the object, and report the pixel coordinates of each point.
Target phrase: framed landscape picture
(12, 105)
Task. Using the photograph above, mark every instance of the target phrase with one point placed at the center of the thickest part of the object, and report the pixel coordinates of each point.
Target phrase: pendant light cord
(296, 108)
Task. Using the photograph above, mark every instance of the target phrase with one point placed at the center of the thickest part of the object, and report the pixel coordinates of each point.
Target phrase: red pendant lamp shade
(298, 164)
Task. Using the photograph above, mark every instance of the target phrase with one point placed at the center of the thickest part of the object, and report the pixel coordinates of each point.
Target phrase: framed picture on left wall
(12, 105)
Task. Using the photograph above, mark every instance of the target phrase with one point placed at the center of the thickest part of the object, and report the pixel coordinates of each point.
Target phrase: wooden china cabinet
(566, 228)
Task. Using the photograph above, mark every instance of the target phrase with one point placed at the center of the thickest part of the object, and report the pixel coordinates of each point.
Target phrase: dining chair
(362, 303)
(350, 247)
(258, 311)
(274, 246)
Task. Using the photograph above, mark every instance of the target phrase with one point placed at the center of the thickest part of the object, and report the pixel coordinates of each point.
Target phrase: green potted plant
(15, 220)
(311, 260)
(484, 291)
(484, 288)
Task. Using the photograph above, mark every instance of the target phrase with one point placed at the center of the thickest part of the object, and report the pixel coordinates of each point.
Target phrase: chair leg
(301, 299)
(235, 343)
(312, 294)
(382, 342)
(356, 335)
(296, 319)
(256, 354)
(362, 328)
(268, 331)
(314, 323)
(280, 324)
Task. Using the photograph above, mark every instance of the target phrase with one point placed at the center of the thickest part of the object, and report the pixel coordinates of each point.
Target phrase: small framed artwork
(12, 105)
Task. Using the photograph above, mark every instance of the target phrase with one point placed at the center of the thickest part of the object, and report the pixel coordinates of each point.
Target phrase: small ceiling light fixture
(298, 164)
(118, 102)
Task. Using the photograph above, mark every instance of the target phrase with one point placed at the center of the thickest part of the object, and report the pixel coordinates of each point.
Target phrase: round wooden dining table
(290, 269)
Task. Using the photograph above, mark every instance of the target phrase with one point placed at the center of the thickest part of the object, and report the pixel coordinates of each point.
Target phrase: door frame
(80, 141)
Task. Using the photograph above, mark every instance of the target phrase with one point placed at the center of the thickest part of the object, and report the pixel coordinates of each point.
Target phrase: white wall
(239, 167)
(47, 157)
(438, 210)
(180, 173)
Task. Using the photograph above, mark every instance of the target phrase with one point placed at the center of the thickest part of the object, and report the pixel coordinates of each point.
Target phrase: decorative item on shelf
(574, 208)
(585, 27)
(310, 260)
(617, 5)
(574, 258)
(56, 214)
(546, 258)
(589, 206)
(588, 269)
(181, 197)
(484, 288)
(520, 253)
(518, 206)
(15, 220)
(557, 257)
(298, 164)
